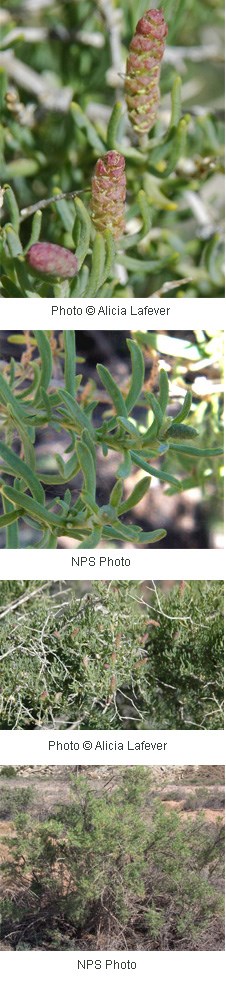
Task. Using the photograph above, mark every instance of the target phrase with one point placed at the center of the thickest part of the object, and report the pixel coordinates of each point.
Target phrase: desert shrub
(8, 771)
(136, 431)
(152, 882)
(205, 798)
(96, 661)
(73, 113)
(13, 800)
(185, 656)
(73, 660)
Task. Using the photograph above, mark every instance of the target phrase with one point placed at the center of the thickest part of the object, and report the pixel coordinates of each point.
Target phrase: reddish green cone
(143, 70)
(47, 258)
(108, 194)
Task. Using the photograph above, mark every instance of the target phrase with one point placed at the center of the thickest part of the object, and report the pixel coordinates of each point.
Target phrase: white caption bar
(91, 965)
(126, 747)
(111, 564)
(151, 314)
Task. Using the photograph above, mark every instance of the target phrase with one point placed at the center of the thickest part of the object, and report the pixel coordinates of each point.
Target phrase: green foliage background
(108, 660)
(129, 424)
(172, 182)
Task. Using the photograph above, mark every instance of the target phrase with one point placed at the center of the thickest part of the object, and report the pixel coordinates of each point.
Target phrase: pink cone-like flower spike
(45, 257)
(143, 70)
(108, 194)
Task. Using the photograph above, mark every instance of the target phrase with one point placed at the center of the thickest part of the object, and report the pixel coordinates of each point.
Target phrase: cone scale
(108, 194)
(143, 70)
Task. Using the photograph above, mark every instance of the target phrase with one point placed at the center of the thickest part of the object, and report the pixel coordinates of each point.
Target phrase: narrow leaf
(136, 495)
(163, 390)
(195, 451)
(46, 358)
(155, 406)
(113, 390)
(20, 469)
(185, 409)
(137, 379)
(81, 421)
(70, 362)
(30, 507)
(87, 466)
(9, 517)
(162, 475)
(124, 468)
(116, 494)
(92, 540)
(148, 538)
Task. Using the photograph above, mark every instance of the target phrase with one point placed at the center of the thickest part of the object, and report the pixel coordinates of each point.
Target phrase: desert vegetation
(111, 655)
(78, 452)
(112, 148)
(112, 858)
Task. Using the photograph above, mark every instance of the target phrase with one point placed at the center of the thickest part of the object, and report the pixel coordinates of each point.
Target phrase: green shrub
(32, 402)
(71, 111)
(108, 869)
(74, 660)
(13, 800)
(97, 662)
(8, 771)
(185, 657)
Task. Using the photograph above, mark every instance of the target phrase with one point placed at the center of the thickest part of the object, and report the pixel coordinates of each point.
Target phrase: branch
(23, 599)
(57, 100)
(44, 202)
(113, 20)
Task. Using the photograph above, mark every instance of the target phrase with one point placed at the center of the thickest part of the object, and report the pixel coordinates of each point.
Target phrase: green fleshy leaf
(70, 362)
(136, 495)
(163, 390)
(113, 390)
(77, 415)
(46, 358)
(137, 379)
(124, 469)
(116, 494)
(87, 466)
(196, 451)
(20, 469)
(162, 475)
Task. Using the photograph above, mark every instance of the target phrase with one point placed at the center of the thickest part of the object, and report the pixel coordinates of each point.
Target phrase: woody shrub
(111, 867)
(185, 657)
(105, 660)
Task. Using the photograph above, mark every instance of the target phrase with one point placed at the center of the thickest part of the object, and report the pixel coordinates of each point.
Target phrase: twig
(113, 21)
(150, 607)
(57, 100)
(23, 599)
(33, 35)
(44, 202)
(9, 652)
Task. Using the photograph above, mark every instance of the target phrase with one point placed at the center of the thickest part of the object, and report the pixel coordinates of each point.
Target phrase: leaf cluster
(32, 401)
(162, 249)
